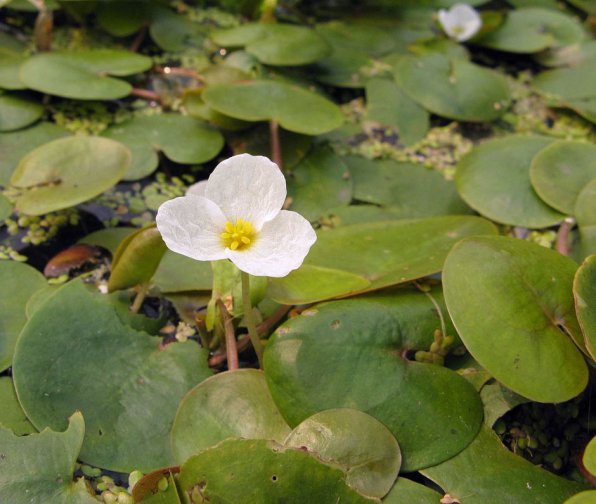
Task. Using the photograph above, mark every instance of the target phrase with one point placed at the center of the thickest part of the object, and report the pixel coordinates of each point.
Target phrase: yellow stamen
(238, 236)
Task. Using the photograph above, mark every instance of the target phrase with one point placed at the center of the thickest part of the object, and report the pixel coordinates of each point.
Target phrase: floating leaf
(379, 254)
(173, 32)
(109, 238)
(196, 107)
(122, 18)
(39, 467)
(147, 489)
(18, 111)
(453, 87)
(387, 104)
(359, 443)
(293, 107)
(494, 180)
(584, 291)
(77, 353)
(83, 75)
(589, 457)
(136, 259)
(244, 470)
(11, 58)
(19, 282)
(275, 43)
(12, 415)
(182, 139)
(531, 351)
(586, 497)
(67, 171)
(487, 473)
(178, 273)
(339, 354)
(406, 490)
(15, 145)
(497, 401)
(585, 214)
(232, 404)
(413, 189)
(533, 29)
(560, 171)
(319, 182)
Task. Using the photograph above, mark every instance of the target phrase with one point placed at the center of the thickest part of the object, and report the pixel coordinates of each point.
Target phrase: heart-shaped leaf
(83, 75)
(532, 351)
(12, 415)
(232, 404)
(182, 139)
(494, 180)
(67, 171)
(584, 291)
(359, 443)
(293, 107)
(561, 170)
(18, 111)
(340, 354)
(77, 353)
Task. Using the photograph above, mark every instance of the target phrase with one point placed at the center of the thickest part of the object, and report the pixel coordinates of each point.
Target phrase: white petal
(191, 226)
(461, 22)
(197, 189)
(247, 187)
(280, 247)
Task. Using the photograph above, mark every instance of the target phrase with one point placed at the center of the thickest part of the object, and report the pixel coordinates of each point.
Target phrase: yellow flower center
(238, 236)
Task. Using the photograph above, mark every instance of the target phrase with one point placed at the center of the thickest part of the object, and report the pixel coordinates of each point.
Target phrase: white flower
(239, 218)
(197, 189)
(461, 22)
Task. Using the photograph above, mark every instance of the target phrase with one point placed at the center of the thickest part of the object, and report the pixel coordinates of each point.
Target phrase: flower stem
(250, 321)
(276, 156)
(139, 298)
(231, 345)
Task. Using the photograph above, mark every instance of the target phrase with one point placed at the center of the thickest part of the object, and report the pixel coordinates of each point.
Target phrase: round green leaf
(293, 107)
(17, 111)
(10, 63)
(232, 404)
(585, 214)
(182, 139)
(12, 415)
(560, 171)
(109, 238)
(494, 180)
(352, 354)
(16, 144)
(136, 259)
(533, 29)
(175, 32)
(40, 467)
(83, 75)
(19, 282)
(453, 87)
(379, 254)
(487, 473)
(589, 458)
(178, 273)
(319, 182)
(487, 281)
(586, 497)
(68, 171)
(359, 443)
(121, 18)
(244, 470)
(76, 353)
(406, 490)
(584, 292)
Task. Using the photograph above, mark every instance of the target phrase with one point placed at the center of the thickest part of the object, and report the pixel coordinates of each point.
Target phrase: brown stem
(275, 144)
(184, 72)
(139, 298)
(145, 94)
(231, 345)
(562, 243)
(43, 31)
(138, 40)
(273, 319)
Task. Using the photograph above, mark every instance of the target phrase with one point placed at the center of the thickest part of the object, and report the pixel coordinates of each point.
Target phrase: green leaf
(12, 415)
(319, 182)
(406, 490)
(5, 208)
(67, 171)
(497, 401)
(76, 353)
(494, 180)
(154, 495)
(109, 238)
(11, 59)
(585, 215)
(174, 32)
(293, 107)
(340, 354)
(453, 87)
(136, 259)
(533, 29)
(589, 457)
(232, 404)
(18, 111)
(586, 497)
(244, 470)
(39, 467)
(487, 473)
(360, 444)
(584, 292)
(83, 75)
(196, 107)
(275, 44)
(486, 281)
(560, 171)
(16, 144)
(389, 105)
(379, 254)
(413, 189)
(178, 273)
(19, 282)
(121, 18)
(182, 139)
